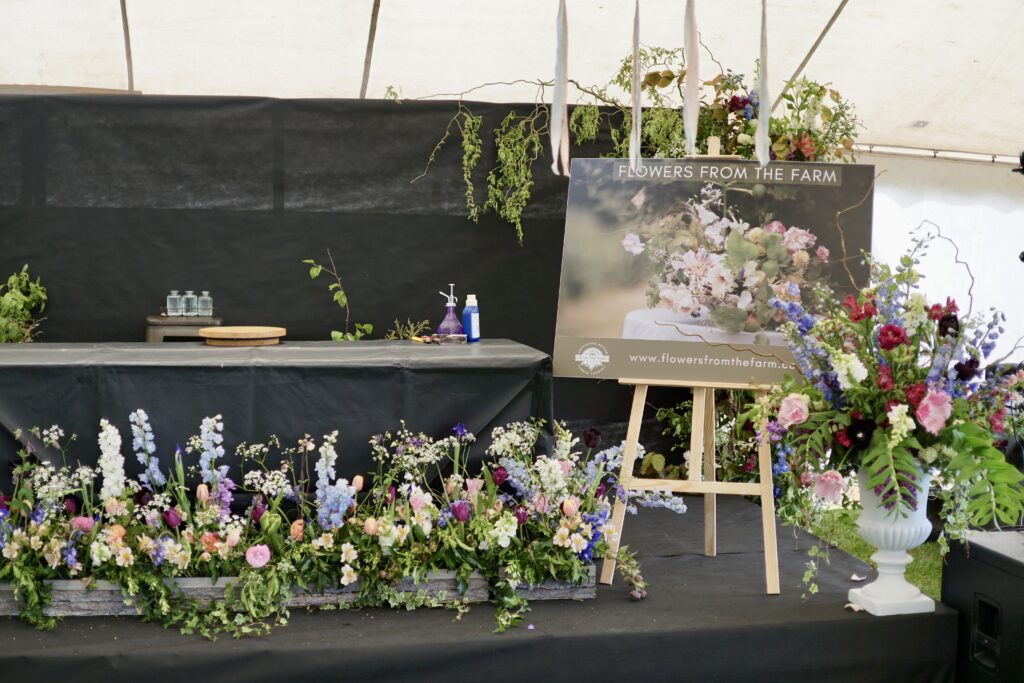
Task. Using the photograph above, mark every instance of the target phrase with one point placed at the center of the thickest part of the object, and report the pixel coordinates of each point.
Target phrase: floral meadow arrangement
(899, 389)
(518, 519)
(708, 263)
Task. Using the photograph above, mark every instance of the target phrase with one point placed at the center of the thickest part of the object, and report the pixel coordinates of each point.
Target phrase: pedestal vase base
(884, 607)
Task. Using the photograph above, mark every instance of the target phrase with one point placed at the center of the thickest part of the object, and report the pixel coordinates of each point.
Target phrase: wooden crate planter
(561, 590)
(71, 598)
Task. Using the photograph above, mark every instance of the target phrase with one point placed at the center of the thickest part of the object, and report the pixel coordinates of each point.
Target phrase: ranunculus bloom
(171, 518)
(794, 410)
(296, 529)
(371, 526)
(203, 494)
(934, 410)
(257, 555)
(115, 532)
(591, 437)
(473, 487)
(499, 476)
(570, 506)
(209, 541)
(884, 379)
(233, 538)
(828, 486)
(891, 335)
(460, 510)
(83, 524)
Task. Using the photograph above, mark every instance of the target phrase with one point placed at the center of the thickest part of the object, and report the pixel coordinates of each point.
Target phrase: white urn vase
(893, 532)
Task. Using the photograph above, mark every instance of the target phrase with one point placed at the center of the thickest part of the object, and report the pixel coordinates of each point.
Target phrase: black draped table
(359, 388)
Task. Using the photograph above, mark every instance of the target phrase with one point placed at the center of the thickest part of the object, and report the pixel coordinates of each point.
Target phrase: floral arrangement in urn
(519, 519)
(894, 390)
(711, 265)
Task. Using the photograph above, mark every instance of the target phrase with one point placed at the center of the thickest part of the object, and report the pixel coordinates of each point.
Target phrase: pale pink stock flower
(934, 410)
(632, 244)
(566, 467)
(794, 410)
(828, 486)
(257, 555)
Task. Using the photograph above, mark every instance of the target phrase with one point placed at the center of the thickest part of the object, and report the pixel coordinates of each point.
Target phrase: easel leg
(636, 416)
(771, 549)
(710, 501)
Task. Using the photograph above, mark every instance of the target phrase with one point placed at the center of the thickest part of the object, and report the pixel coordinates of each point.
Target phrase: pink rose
(257, 555)
(570, 506)
(83, 524)
(934, 410)
(829, 486)
(777, 227)
(473, 487)
(822, 254)
(794, 410)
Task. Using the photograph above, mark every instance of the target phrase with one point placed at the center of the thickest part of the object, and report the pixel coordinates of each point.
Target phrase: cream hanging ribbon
(691, 83)
(634, 134)
(559, 104)
(762, 143)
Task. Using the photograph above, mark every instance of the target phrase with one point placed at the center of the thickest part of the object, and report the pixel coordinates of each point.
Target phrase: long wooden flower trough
(73, 598)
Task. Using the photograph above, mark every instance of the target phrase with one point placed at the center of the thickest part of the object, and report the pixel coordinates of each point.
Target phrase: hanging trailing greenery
(812, 122)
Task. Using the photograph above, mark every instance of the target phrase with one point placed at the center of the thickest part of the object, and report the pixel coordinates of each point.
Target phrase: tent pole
(799, 69)
(369, 48)
(127, 46)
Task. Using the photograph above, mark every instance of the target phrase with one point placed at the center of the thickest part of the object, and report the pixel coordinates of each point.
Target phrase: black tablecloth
(359, 388)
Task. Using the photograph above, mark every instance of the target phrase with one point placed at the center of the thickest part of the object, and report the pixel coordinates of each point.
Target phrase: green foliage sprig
(21, 303)
(339, 297)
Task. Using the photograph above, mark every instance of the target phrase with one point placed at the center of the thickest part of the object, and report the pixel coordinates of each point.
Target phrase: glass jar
(206, 304)
(190, 303)
(174, 303)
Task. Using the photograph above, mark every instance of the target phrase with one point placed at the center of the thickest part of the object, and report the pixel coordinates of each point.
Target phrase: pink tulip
(570, 506)
(370, 526)
(357, 482)
(473, 487)
(540, 503)
(203, 494)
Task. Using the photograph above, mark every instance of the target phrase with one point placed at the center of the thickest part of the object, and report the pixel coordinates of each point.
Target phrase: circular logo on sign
(592, 358)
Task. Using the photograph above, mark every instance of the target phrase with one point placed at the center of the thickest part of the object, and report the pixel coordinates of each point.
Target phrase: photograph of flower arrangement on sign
(685, 269)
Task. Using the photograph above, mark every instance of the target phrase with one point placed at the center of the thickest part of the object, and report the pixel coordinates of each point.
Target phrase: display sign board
(686, 269)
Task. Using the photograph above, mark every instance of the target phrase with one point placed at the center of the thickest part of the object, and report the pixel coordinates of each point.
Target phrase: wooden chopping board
(242, 335)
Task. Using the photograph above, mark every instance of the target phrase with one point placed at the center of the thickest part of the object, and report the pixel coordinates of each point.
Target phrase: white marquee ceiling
(954, 65)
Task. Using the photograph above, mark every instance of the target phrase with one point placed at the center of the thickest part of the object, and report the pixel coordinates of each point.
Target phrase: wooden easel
(702, 456)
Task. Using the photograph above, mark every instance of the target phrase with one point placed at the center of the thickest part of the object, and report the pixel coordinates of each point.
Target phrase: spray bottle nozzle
(451, 295)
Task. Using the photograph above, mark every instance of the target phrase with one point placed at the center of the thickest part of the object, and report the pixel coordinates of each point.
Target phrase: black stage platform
(705, 619)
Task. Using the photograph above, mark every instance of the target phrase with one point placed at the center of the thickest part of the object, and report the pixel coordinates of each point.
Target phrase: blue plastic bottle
(471, 319)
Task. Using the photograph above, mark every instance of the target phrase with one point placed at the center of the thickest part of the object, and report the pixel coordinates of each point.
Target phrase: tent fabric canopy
(921, 74)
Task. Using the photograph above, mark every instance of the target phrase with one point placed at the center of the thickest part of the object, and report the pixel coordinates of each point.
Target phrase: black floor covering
(705, 619)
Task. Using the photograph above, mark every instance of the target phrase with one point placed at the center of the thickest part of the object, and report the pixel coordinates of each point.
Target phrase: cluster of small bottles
(189, 304)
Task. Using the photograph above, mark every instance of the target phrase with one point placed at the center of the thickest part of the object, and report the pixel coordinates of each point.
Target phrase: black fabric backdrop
(114, 200)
